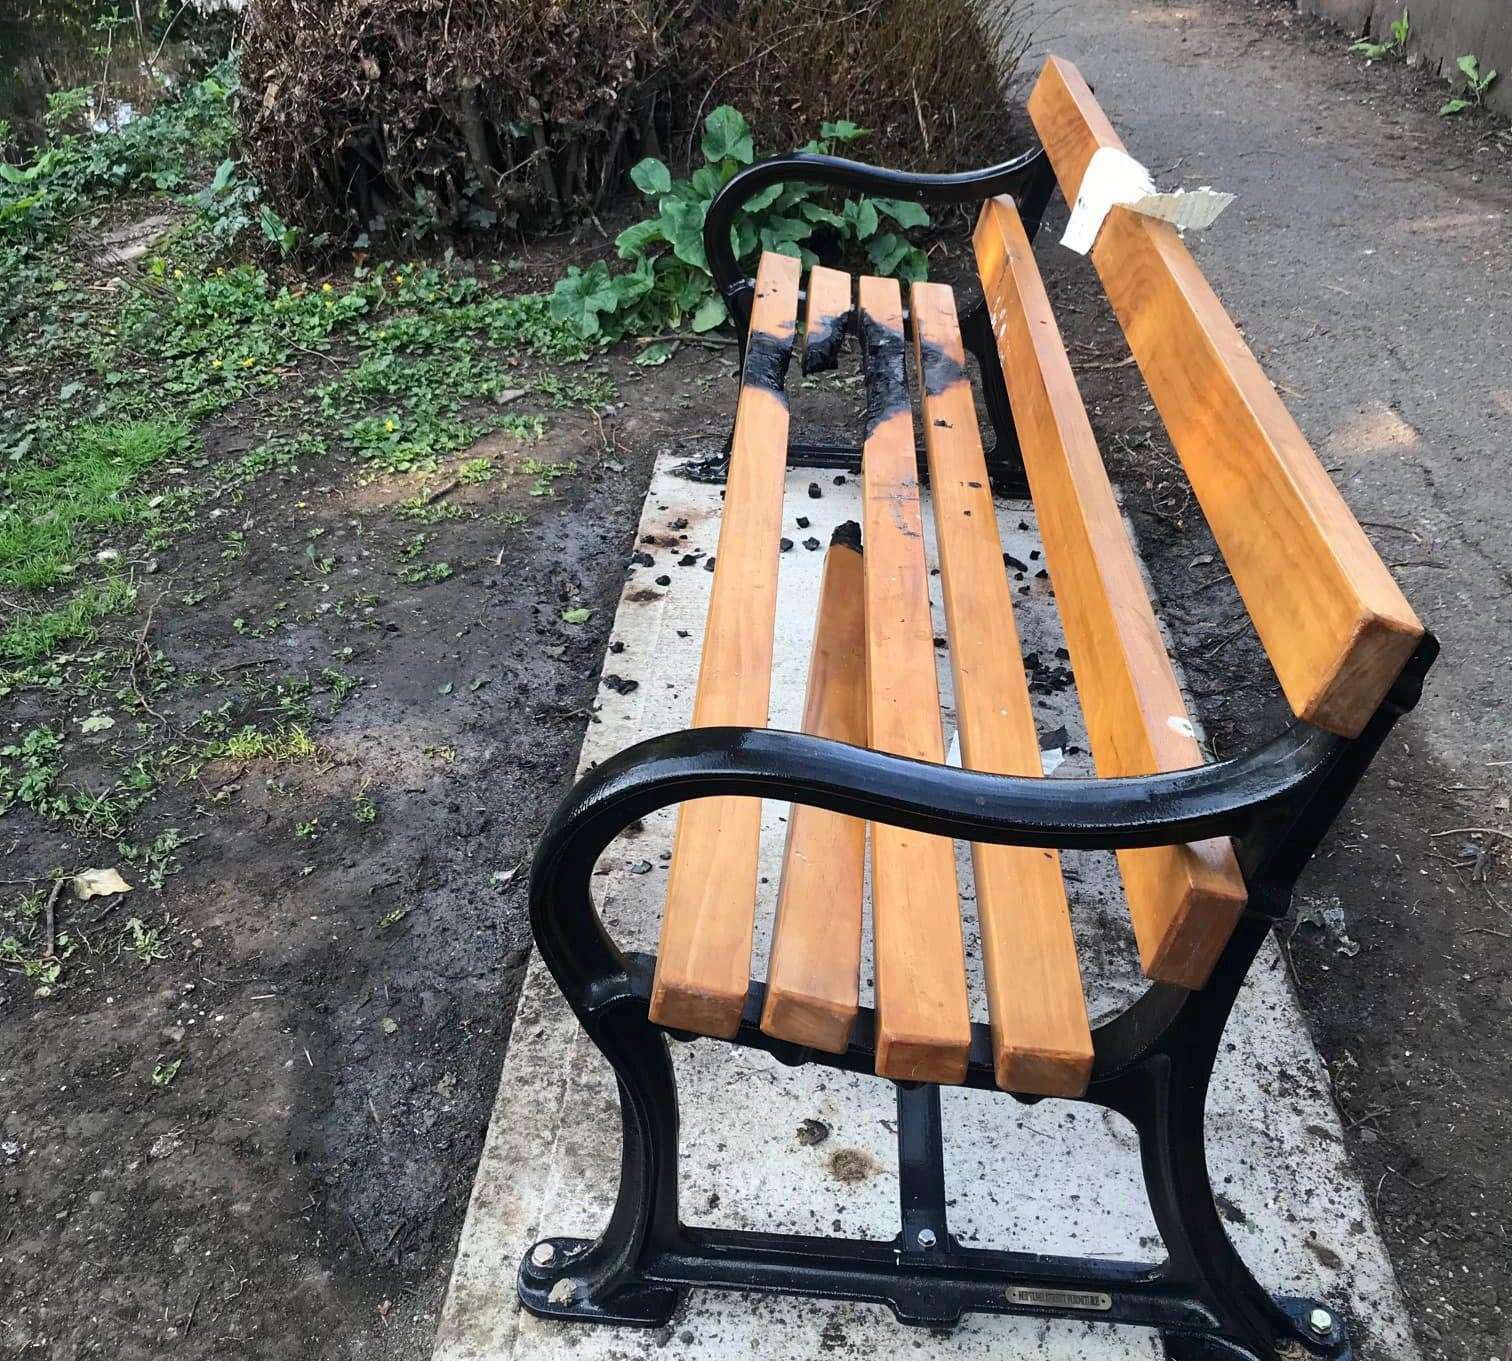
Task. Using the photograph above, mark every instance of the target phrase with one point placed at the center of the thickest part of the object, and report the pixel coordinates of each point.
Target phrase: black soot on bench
(821, 351)
(766, 362)
(886, 376)
(941, 370)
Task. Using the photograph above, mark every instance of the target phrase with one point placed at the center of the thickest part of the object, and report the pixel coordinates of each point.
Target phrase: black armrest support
(1027, 177)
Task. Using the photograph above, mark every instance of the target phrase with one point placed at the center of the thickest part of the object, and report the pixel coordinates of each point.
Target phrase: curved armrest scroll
(1027, 177)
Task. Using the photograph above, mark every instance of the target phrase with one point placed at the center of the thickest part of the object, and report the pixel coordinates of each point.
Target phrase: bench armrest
(1028, 178)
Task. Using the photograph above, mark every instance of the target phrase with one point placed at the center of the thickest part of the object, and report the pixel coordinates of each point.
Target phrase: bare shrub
(529, 111)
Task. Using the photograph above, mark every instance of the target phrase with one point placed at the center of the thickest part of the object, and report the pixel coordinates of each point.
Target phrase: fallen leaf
(99, 884)
(390, 1025)
(578, 614)
(97, 723)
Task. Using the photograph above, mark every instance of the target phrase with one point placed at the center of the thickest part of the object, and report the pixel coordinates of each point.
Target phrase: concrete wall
(1442, 31)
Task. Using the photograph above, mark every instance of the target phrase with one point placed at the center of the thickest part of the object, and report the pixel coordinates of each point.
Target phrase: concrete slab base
(1057, 1177)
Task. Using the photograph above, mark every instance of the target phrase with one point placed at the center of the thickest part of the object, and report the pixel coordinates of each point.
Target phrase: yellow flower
(329, 305)
(398, 278)
(248, 362)
(389, 425)
(215, 363)
(178, 274)
(325, 288)
(219, 270)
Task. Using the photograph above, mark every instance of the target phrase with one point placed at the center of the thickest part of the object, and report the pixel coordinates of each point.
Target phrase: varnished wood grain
(1184, 900)
(703, 967)
(923, 1022)
(1040, 1035)
(811, 994)
(1333, 621)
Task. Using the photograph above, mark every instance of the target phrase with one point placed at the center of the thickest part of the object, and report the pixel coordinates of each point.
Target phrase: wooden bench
(1208, 853)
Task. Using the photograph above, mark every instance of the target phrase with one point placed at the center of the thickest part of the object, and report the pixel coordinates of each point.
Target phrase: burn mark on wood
(768, 355)
(886, 376)
(824, 341)
(941, 371)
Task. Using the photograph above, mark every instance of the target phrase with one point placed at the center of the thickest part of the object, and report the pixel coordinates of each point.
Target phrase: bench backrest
(1335, 625)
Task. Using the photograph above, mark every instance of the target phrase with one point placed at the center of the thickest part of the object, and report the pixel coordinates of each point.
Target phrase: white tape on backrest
(1114, 177)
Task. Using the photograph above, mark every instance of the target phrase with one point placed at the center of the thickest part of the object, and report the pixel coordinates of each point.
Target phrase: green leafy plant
(1400, 30)
(668, 284)
(1476, 85)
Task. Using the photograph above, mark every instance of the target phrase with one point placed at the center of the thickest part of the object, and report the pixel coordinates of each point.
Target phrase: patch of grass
(289, 742)
(37, 634)
(423, 574)
(545, 474)
(50, 503)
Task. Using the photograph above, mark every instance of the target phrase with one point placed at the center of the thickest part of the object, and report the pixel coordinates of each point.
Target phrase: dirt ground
(337, 986)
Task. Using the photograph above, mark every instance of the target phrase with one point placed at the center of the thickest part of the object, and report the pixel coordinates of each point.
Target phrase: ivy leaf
(765, 199)
(904, 213)
(579, 297)
(651, 177)
(817, 213)
(887, 252)
(843, 130)
(658, 352)
(708, 181)
(711, 313)
(726, 133)
(682, 225)
(861, 217)
(743, 237)
(632, 242)
(777, 230)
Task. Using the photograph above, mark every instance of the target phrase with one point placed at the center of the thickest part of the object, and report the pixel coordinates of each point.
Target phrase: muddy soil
(335, 986)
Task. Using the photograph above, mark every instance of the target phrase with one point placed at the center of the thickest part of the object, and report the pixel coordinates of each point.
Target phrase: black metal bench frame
(1152, 1061)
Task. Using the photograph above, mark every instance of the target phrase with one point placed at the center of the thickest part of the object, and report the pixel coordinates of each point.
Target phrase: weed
(307, 831)
(421, 574)
(1401, 30)
(546, 474)
(527, 429)
(37, 634)
(594, 390)
(164, 1073)
(669, 283)
(143, 941)
(288, 743)
(365, 810)
(473, 471)
(1476, 85)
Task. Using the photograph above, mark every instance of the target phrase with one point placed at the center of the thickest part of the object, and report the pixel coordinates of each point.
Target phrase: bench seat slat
(811, 995)
(1335, 624)
(923, 1021)
(1184, 900)
(827, 318)
(704, 964)
(1041, 1039)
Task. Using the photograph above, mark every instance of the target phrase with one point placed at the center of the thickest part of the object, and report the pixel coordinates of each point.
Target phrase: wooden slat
(826, 318)
(1184, 900)
(704, 963)
(1337, 628)
(812, 978)
(923, 1022)
(1041, 1040)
